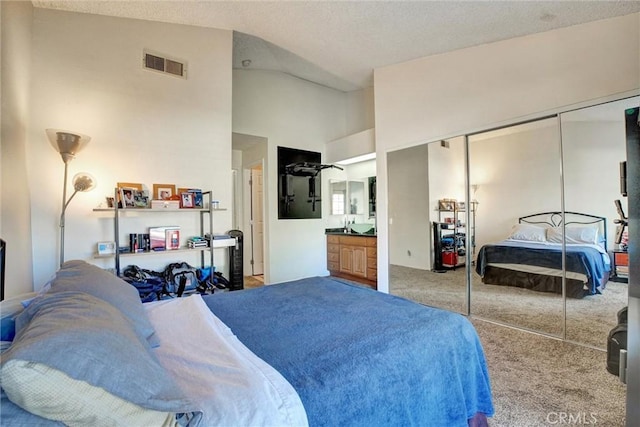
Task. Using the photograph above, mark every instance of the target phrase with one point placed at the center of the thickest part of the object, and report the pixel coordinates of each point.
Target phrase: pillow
(77, 359)
(80, 276)
(528, 232)
(9, 309)
(574, 234)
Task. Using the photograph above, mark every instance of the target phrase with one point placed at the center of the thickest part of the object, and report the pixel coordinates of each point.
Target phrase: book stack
(197, 242)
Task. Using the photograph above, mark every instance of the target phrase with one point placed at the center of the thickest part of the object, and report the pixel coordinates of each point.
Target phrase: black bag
(180, 277)
(150, 284)
(616, 341)
(209, 283)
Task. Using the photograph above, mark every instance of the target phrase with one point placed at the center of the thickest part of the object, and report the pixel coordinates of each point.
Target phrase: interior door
(257, 220)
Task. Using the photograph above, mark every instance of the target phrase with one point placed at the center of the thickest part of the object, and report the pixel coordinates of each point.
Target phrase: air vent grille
(159, 62)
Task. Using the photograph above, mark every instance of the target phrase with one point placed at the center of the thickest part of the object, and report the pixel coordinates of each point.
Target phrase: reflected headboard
(554, 219)
(3, 246)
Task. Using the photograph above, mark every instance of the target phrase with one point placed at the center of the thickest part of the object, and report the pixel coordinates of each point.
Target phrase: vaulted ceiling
(339, 43)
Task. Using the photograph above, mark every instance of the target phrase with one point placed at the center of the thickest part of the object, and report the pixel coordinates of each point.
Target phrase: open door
(257, 220)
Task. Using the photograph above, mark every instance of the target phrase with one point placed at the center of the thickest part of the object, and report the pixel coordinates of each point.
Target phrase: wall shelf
(206, 228)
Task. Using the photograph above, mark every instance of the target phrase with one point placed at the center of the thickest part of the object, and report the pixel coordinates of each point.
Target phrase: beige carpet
(536, 380)
(589, 319)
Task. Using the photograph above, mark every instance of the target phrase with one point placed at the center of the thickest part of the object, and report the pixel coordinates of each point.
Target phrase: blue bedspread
(360, 357)
(579, 259)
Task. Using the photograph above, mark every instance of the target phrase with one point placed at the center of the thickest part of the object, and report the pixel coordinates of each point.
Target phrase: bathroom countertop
(340, 231)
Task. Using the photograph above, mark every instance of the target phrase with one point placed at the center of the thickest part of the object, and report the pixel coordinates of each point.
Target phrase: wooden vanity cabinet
(353, 257)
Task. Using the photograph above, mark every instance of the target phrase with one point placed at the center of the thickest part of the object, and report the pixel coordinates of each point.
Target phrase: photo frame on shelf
(446, 204)
(127, 198)
(131, 187)
(186, 200)
(164, 191)
(460, 206)
(197, 196)
(140, 199)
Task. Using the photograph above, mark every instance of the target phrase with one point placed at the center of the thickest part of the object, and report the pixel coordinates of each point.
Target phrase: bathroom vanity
(353, 256)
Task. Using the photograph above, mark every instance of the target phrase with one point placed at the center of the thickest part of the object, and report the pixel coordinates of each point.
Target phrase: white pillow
(574, 234)
(528, 232)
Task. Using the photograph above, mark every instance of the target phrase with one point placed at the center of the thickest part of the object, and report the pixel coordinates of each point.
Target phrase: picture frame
(446, 204)
(140, 199)
(164, 191)
(127, 200)
(460, 206)
(186, 200)
(197, 196)
(132, 186)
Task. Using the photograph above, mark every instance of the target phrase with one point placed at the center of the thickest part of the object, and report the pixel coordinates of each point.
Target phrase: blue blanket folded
(360, 357)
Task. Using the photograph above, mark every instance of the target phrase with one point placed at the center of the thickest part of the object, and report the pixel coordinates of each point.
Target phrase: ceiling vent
(160, 63)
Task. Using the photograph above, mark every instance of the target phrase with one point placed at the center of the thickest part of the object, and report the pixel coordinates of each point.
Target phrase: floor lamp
(68, 145)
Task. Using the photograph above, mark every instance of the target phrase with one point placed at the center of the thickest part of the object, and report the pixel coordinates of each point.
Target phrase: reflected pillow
(528, 232)
(574, 235)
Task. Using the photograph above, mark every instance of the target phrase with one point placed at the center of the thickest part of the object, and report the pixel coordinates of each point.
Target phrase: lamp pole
(68, 144)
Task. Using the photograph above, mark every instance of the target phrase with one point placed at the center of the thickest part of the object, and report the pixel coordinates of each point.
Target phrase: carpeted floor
(536, 380)
(589, 319)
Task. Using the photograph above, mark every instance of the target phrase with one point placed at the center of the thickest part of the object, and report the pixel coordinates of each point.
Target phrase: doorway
(256, 191)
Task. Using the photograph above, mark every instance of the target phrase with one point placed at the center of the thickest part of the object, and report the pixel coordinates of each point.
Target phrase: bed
(316, 351)
(532, 256)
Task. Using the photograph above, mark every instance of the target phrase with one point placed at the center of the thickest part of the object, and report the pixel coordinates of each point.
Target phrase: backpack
(150, 284)
(209, 283)
(180, 277)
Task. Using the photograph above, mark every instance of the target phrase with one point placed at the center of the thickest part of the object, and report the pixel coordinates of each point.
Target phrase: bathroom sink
(360, 228)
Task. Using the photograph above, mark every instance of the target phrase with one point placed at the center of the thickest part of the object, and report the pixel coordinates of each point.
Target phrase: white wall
(146, 127)
(476, 88)
(15, 225)
(360, 113)
(292, 113)
(409, 230)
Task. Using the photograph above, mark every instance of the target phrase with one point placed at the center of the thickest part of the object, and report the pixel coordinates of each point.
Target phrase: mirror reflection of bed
(527, 168)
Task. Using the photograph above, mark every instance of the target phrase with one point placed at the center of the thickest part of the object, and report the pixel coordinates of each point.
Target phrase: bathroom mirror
(355, 193)
(338, 197)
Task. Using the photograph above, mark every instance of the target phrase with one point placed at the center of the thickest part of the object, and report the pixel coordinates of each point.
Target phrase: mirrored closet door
(539, 188)
(593, 145)
(514, 173)
(428, 226)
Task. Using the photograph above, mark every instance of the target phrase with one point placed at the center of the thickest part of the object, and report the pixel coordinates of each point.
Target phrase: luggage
(616, 341)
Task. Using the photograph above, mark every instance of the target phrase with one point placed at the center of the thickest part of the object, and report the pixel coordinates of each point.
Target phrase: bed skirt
(535, 282)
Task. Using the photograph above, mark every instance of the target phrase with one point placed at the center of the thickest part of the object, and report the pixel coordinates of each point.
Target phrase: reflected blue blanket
(360, 357)
(580, 259)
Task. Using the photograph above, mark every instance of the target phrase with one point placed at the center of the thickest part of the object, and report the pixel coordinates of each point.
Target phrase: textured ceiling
(339, 43)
